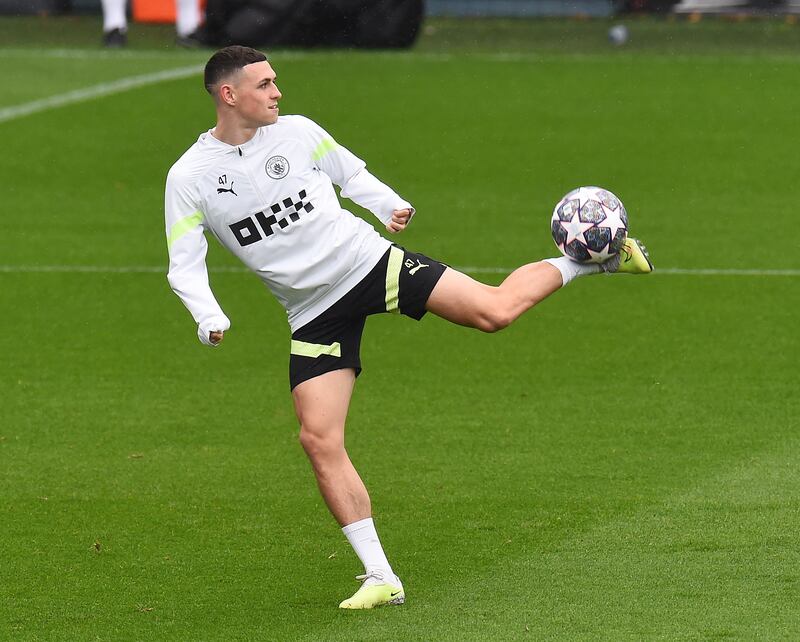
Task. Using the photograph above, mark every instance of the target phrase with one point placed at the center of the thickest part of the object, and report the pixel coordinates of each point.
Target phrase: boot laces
(373, 577)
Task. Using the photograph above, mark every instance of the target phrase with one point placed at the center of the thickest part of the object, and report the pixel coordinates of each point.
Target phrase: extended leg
(463, 300)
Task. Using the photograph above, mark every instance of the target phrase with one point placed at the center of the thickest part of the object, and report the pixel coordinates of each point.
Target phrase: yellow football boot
(632, 259)
(375, 591)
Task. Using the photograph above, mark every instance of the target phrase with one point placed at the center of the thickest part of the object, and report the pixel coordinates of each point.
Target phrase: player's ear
(227, 95)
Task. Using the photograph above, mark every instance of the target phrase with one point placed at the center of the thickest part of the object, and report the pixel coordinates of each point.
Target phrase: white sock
(114, 15)
(570, 269)
(364, 539)
(187, 16)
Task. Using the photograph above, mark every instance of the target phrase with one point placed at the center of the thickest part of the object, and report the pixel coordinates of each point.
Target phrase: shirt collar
(207, 138)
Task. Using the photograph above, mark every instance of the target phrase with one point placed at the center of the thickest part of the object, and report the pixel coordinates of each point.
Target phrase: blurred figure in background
(115, 23)
(312, 23)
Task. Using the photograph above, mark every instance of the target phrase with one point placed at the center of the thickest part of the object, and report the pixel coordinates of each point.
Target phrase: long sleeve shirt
(271, 202)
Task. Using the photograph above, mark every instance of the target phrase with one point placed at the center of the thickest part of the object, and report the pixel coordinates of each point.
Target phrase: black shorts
(401, 282)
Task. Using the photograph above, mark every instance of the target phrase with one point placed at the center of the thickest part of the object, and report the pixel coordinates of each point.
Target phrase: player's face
(257, 95)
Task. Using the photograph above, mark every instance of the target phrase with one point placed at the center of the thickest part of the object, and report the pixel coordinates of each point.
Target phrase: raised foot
(632, 259)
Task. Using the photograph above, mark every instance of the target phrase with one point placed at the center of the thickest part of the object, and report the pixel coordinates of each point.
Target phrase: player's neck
(233, 133)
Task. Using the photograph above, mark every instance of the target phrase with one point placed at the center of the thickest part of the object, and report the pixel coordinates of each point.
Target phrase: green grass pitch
(621, 464)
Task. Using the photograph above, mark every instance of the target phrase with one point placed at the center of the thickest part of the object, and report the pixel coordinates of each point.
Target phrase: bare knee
(321, 442)
(494, 314)
(494, 321)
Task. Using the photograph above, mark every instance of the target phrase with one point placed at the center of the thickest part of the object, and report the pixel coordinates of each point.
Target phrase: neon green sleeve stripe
(315, 350)
(325, 147)
(183, 226)
(393, 279)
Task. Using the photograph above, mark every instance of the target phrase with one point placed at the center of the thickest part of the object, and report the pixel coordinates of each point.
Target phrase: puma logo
(420, 265)
(220, 190)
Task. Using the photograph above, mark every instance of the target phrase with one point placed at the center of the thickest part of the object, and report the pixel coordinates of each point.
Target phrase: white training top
(271, 202)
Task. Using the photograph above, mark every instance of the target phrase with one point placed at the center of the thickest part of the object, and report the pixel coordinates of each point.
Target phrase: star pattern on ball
(589, 225)
(599, 257)
(614, 222)
(575, 229)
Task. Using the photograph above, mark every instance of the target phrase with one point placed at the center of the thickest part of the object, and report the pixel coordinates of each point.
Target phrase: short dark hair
(227, 61)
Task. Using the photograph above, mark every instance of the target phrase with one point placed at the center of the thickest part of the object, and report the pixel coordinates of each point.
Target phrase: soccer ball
(589, 225)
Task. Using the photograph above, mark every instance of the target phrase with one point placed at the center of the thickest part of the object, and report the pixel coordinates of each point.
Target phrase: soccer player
(262, 184)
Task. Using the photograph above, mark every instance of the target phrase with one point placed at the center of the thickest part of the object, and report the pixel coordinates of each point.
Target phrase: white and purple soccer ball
(589, 225)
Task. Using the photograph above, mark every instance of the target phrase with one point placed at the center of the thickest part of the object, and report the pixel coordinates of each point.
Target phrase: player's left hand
(400, 219)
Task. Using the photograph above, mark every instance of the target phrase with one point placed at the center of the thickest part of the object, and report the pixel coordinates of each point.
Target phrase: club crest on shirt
(277, 167)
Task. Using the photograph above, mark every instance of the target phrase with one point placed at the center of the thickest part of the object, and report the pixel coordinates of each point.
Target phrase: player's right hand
(211, 331)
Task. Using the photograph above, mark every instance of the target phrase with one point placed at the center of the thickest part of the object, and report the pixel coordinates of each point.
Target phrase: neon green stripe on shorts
(393, 279)
(314, 350)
